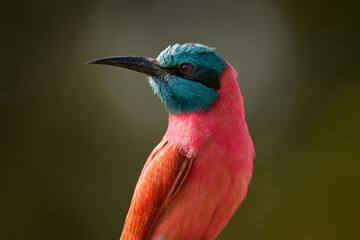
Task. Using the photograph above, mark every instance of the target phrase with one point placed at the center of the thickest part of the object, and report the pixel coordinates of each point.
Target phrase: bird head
(185, 77)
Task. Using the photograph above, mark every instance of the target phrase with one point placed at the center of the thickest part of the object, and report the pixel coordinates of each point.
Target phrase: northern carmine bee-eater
(198, 175)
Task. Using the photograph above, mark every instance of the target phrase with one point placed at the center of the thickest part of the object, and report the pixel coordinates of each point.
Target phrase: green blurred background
(74, 137)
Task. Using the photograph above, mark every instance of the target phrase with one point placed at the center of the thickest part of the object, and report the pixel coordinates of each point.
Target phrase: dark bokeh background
(74, 137)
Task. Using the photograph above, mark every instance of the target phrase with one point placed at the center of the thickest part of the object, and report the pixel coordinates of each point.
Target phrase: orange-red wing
(161, 178)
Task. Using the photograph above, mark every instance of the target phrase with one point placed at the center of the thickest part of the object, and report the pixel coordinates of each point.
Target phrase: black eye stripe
(205, 76)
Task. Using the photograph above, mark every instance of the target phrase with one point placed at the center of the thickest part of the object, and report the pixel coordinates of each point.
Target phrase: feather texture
(161, 178)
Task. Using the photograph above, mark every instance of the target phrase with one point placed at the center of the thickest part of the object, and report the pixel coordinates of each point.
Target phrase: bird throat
(180, 95)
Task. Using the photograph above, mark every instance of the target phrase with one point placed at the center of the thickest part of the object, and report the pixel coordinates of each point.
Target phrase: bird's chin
(153, 83)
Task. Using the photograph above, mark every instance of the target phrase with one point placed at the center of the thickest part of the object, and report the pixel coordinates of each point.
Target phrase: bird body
(198, 175)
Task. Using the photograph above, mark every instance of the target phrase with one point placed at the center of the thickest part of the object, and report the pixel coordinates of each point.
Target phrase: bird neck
(223, 123)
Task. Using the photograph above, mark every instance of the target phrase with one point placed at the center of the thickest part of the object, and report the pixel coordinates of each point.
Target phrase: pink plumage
(206, 167)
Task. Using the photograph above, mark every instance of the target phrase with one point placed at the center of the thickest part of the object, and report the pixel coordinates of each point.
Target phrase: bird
(196, 177)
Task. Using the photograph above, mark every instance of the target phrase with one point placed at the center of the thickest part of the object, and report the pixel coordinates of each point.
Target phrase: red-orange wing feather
(162, 176)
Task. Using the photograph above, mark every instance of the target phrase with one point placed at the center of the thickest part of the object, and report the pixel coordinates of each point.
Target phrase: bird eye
(185, 68)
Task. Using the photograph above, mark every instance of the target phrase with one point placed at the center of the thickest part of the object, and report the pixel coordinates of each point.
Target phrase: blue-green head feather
(192, 79)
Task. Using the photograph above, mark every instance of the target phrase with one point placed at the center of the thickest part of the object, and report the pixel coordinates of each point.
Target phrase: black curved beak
(146, 65)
